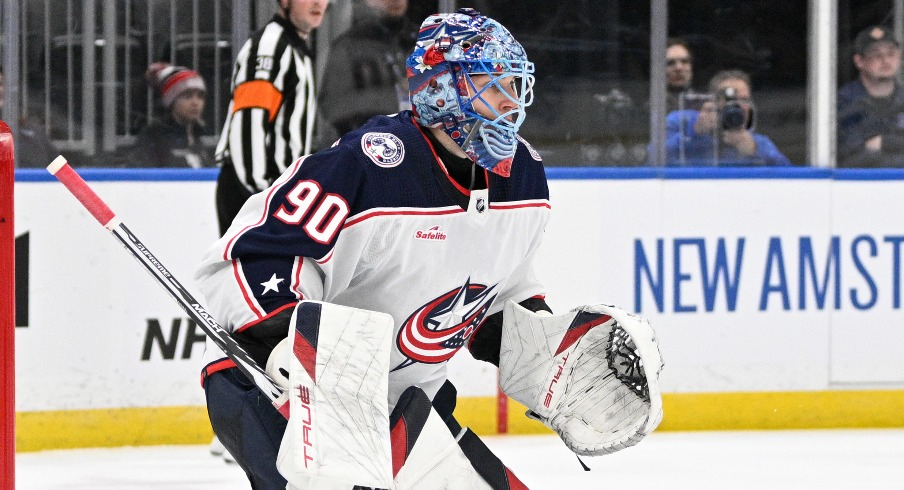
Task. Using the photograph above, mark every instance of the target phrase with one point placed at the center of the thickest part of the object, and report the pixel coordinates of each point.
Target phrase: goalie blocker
(591, 375)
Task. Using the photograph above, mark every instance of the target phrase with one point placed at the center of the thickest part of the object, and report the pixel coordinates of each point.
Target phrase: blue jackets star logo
(272, 284)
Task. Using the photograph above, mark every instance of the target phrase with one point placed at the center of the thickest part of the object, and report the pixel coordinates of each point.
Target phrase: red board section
(7, 311)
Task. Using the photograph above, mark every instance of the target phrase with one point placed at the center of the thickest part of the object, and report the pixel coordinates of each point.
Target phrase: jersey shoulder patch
(386, 150)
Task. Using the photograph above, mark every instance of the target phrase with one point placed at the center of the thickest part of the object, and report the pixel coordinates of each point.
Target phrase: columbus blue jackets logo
(384, 149)
(436, 331)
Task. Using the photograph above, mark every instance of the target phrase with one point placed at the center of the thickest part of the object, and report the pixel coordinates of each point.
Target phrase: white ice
(827, 459)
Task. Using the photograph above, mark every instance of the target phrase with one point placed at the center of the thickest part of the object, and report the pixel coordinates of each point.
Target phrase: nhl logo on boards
(384, 149)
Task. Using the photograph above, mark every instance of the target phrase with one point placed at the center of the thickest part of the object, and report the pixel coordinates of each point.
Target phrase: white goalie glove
(591, 375)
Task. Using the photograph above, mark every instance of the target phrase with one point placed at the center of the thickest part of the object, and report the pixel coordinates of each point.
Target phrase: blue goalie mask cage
(460, 60)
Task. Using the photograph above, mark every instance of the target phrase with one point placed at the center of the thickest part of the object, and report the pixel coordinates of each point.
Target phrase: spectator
(679, 74)
(174, 140)
(33, 146)
(871, 108)
(722, 131)
(365, 74)
(271, 117)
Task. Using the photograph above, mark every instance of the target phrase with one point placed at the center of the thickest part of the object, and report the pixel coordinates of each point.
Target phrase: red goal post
(7, 312)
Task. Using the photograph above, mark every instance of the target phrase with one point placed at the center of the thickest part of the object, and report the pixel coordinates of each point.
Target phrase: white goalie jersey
(377, 223)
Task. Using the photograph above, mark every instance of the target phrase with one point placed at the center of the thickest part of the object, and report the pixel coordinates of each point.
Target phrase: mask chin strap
(465, 144)
(474, 130)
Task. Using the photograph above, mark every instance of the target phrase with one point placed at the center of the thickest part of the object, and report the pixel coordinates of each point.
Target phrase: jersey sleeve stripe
(438, 212)
(259, 94)
(268, 315)
(296, 278)
(215, 366)
(400, 212)
(522, 204)
(243, 286)
(325, 259)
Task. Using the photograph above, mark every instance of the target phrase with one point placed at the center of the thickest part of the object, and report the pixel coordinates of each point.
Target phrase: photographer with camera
(722, 131)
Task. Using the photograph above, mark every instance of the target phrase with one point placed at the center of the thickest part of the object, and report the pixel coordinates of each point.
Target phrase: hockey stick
(60, 169)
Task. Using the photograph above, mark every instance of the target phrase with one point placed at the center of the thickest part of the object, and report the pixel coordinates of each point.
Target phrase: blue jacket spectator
(700, 149)
(871, 108)
(721, 132)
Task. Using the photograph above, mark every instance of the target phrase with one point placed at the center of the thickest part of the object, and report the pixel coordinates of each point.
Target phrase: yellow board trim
(783, 410)
(36, 431)
(730, 411)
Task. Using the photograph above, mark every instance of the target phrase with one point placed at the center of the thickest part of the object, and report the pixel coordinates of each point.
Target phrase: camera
(731, 114)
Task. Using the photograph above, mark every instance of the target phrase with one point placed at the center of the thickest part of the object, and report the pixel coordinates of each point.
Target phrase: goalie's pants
(247, 425)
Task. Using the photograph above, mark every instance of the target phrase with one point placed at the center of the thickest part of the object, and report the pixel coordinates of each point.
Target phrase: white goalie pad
(591, 375)
(338, 429)
(428, 455)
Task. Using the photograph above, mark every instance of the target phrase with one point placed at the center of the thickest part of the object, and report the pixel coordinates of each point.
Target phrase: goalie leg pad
(338, 429)
(592, 374)
(429, 454)
(487, 464)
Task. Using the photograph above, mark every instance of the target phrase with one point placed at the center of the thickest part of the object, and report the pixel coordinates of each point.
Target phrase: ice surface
(826, 459)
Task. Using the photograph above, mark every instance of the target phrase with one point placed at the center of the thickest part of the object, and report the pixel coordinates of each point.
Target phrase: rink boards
(776, 295)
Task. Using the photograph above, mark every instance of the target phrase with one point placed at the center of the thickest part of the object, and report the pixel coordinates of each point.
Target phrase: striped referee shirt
(271, 116)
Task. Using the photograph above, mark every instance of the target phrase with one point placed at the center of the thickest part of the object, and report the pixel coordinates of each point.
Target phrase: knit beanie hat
(169, 82)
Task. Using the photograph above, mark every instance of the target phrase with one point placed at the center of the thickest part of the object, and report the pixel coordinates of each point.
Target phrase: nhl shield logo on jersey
(435, 331)
(384, 149)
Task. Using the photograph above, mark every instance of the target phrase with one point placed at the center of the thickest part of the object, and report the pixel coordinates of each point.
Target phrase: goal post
(7, 311)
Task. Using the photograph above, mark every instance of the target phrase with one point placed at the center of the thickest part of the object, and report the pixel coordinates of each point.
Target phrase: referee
(271, 116)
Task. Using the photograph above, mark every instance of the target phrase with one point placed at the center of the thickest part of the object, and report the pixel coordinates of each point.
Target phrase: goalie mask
(445, 77)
